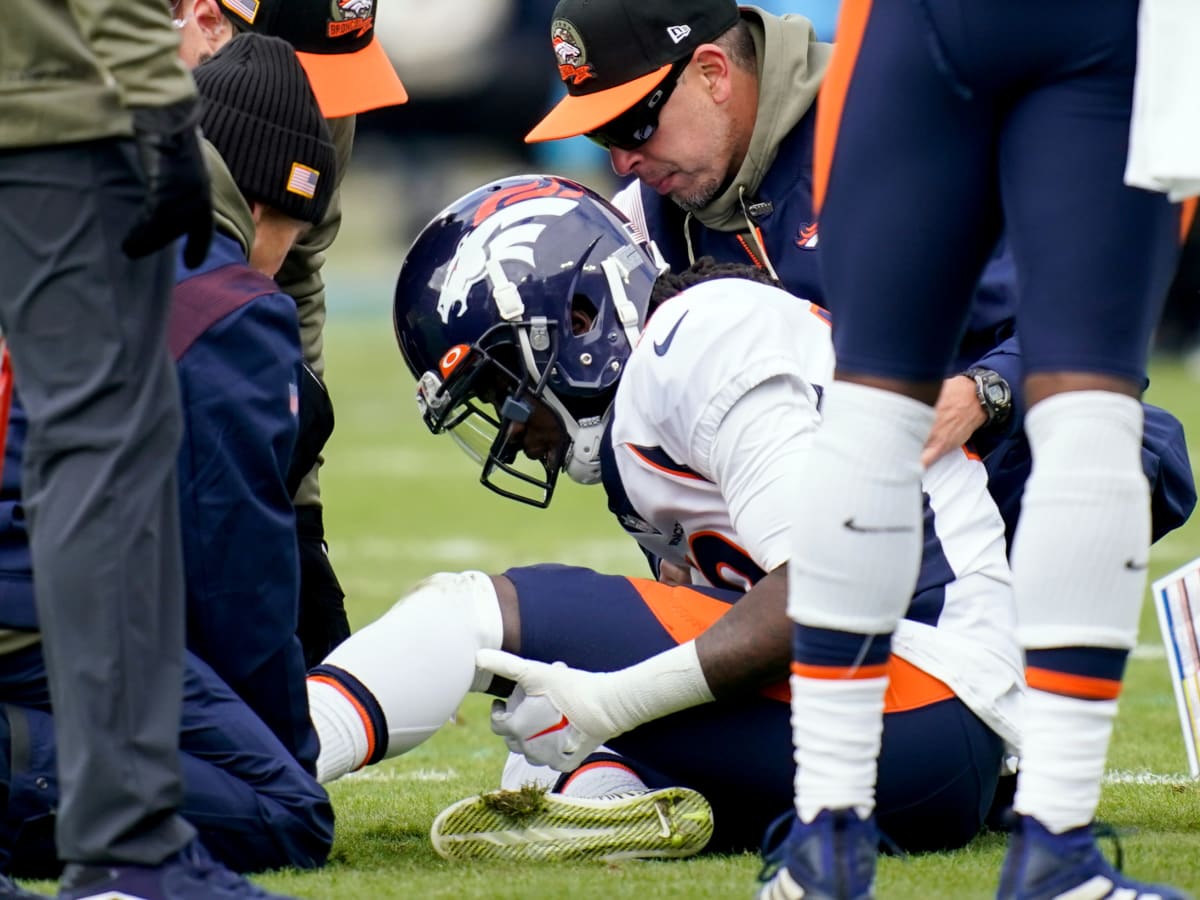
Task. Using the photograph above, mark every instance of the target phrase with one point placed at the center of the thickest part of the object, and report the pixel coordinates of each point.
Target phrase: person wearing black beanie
(259, 112)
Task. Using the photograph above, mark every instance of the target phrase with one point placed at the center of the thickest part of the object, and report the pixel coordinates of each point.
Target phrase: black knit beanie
(258, 110)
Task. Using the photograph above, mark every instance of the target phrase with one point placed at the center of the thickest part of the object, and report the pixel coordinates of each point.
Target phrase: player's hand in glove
(597, 706)
(534, 727)
(323, 623)
(178, 196)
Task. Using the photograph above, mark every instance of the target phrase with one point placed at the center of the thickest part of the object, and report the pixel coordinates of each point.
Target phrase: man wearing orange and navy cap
(350, 73)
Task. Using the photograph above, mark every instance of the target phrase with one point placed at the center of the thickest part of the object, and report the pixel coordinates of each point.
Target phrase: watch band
(993, 393)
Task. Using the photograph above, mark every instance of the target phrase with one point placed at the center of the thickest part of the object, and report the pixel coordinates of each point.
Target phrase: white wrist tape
(661, 685)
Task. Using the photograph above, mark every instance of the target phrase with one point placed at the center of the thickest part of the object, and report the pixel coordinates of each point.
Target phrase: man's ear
(714, 67)
(213, 24)
(257, 210)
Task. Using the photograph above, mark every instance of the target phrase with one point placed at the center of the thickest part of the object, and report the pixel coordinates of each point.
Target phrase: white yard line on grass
(1118, 776)
(386, 775)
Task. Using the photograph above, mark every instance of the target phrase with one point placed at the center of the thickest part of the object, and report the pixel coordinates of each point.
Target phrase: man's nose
(623, 161)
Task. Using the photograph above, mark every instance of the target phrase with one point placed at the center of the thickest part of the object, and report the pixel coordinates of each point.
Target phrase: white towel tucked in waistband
(1164, 137)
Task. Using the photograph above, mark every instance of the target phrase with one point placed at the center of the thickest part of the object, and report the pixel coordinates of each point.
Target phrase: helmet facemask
(517, 309)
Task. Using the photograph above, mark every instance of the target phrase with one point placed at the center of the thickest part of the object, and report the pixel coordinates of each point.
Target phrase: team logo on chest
(806, 236)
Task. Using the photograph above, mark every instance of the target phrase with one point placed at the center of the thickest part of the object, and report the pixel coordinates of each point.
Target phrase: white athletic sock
(602, 778)
(1082, 544)
(518, 772)
(858, 532)
(1063, 748)
(340, 729)
(1079, 559)
(418, 662)
(836, 728)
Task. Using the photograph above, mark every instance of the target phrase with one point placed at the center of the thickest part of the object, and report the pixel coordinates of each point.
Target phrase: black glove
(323, 624)
(178, 196)
(316, 425)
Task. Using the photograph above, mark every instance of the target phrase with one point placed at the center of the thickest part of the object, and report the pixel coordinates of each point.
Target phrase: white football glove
(596, 705)
(537, 729)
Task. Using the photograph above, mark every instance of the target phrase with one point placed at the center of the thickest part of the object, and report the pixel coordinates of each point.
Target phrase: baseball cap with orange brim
(335, 41)
(611, 54)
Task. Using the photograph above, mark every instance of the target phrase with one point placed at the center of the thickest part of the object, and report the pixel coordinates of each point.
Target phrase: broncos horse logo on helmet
(528, 289)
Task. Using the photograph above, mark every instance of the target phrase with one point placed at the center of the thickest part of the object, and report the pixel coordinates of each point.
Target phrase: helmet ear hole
(583, 314)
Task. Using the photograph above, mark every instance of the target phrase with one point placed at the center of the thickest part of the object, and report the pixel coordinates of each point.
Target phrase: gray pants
(85, 326)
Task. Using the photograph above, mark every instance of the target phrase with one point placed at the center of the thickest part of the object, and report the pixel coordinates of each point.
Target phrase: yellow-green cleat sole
(530, 824)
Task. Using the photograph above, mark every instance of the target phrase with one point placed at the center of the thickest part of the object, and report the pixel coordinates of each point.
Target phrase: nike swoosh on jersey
(661, 347)
(851, 525)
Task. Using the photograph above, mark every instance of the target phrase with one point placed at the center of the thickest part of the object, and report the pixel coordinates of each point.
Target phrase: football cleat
(1041, 865)
(10, 891)
(830, 858)
(190, 874)
(531, 824)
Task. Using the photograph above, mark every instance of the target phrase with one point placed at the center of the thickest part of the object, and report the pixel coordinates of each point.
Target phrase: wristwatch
(995, 396)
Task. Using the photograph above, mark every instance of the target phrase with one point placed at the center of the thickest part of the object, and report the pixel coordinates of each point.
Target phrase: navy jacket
(238, 376)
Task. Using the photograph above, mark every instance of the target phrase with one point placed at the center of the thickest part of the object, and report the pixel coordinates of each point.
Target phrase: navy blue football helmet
(529, 289)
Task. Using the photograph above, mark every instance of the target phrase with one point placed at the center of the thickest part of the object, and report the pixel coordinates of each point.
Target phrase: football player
(546, 338)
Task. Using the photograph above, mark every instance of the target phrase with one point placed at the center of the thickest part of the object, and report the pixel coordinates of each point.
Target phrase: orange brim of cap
(587, 112)
(349, 83)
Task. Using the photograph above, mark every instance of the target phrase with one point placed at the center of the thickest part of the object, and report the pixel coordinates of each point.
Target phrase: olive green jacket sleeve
(300, 277)
(71, 69)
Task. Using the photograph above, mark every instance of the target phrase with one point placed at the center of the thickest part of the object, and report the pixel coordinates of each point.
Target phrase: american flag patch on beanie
(303, 180)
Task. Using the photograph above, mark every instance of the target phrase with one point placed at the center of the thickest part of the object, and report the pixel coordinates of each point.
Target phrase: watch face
(996, 394)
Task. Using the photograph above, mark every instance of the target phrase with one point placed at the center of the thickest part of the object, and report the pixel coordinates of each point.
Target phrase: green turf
(402, 504)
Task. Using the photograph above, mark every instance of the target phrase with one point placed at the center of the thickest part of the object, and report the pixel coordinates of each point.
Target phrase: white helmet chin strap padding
(615, 273)
(504, 293)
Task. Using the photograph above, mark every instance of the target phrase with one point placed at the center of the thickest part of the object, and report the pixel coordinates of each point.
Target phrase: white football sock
(858, 533)
(1079, 574)
(417, 660)
(1083, 540)
(602, 778)
(837, 726)
(1063, 746)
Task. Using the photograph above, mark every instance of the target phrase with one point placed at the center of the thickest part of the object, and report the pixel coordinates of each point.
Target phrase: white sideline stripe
(384, 776)
(1149, 651)
(1118, 776)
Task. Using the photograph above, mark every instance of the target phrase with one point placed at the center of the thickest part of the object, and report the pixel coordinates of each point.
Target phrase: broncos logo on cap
(351, 16)
(573, 66)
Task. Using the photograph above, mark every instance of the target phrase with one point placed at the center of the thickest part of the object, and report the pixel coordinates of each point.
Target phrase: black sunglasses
(636, 125)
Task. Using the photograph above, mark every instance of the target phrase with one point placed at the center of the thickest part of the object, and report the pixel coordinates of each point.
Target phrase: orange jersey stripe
(852, 23)
(1187, 213)
(908, 686)
(685, 614)
(358, 708)
(1082, 687)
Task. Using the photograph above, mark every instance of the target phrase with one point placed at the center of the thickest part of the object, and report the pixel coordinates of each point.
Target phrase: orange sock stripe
(358, 708)
(839, 673)
(1081, 687)
(600, 763)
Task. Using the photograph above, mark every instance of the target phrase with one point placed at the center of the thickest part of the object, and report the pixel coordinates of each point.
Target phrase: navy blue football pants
(944, 122)
(939, 763)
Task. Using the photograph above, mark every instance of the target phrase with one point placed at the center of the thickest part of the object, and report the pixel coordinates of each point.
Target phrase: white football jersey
(715, 413)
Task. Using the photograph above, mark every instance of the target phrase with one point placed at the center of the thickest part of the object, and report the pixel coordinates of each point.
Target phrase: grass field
(402, 504)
